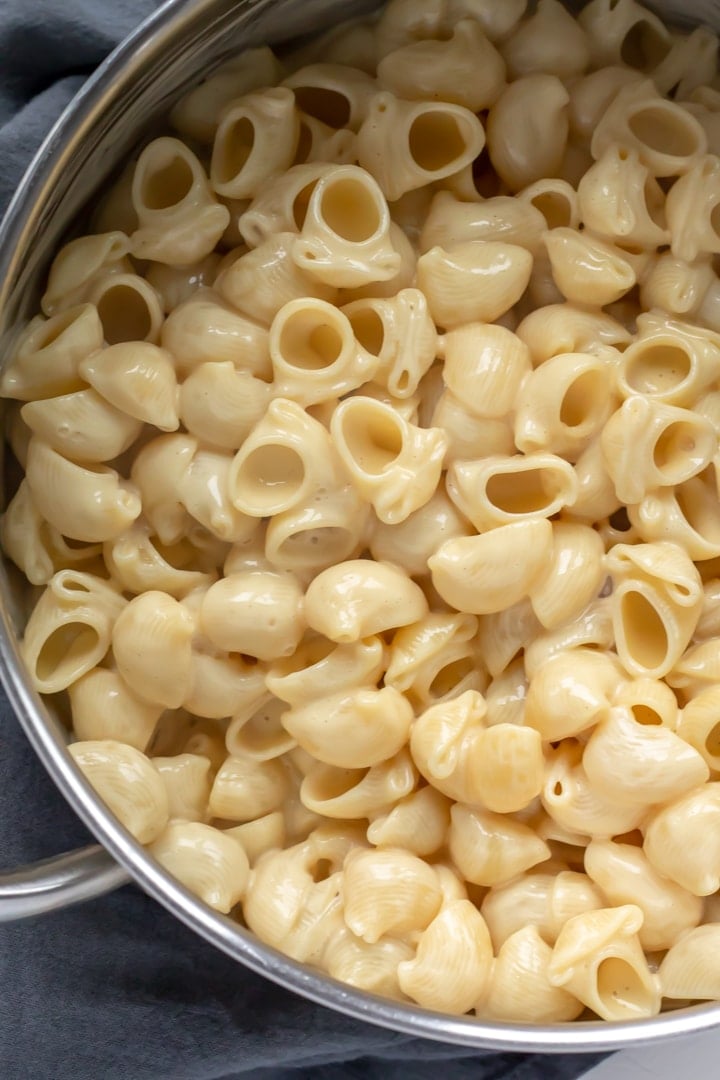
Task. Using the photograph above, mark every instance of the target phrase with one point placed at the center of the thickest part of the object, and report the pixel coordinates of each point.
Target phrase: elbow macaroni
(371, 490)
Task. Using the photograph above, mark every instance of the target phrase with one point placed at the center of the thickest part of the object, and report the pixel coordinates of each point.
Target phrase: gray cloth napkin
(118, 989)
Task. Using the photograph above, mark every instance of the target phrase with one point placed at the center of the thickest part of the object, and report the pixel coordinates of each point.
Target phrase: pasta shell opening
(168, 184)
(305, 142)
(646, 715)
(652, 703)
(699, 726)
(368, 328)
(584, 400)
(446, 682)
(303, 548)
(301, 203)
(641, 632)
(66, 654)
(622, 990)
(712, 741)
(435, 140)
(308, 340)
(555, 207)
(644, 46)
(270, 476)
(262, 736)
(52, 330)
(329, 106)
(656, 370)
(128, 311)
(715, 219)
(679, 451)
(355, 793)
(233, 151)
(666, 129)
(373, 437)
(526, 491)
(701, 513)
(329, 782)
(350, 209)
(255, 143)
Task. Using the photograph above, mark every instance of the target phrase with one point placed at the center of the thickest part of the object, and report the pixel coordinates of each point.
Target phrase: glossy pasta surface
(371, 504)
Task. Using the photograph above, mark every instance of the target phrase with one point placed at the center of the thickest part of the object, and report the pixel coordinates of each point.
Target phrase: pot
(136, 85)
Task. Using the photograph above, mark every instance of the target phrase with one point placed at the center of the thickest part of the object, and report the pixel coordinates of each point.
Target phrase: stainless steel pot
(168, 53)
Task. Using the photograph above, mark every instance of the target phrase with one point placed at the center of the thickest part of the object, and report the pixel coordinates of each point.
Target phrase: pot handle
(59, 882)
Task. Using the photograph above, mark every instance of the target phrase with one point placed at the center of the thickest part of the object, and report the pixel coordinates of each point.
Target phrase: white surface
(696, 1057)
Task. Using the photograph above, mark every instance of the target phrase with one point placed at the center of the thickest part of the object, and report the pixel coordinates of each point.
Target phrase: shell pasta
(371, 504)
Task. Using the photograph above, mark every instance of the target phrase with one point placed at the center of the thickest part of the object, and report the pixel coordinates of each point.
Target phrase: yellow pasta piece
(127, 782)
(549, 41)
(207, 861)
(598, 958)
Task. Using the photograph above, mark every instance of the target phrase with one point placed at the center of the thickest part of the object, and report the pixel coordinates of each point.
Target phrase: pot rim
(43, 733)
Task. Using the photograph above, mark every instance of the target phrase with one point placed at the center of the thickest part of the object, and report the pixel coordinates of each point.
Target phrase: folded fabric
(118, 989)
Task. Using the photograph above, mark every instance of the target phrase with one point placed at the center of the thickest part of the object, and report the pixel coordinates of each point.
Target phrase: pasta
(179, 219)
(256, 138)
(497, 491)
(394, 465)
(151, 642)
(485, 368)
(129, 308)
(625, 875)
(388, 891)
(587, 270)
(449, 220)
(465, 70)
(83, 425)
(104, 707)
(620, 200)
(668, 139)
(210, 863)
(371, 504)
(187, 782)
(599, 959)
(687, 971)
(521, 973)
(78, 264)
(458, 941)
(46, 356)
(233, 611)
(491, 849)
(539, 900)
(535, 110)
(401, 334)
(406, 145)
(370, 726)
(131, 787)
(85, 502)
(345, 238)
(477, 281)
(197, 113)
